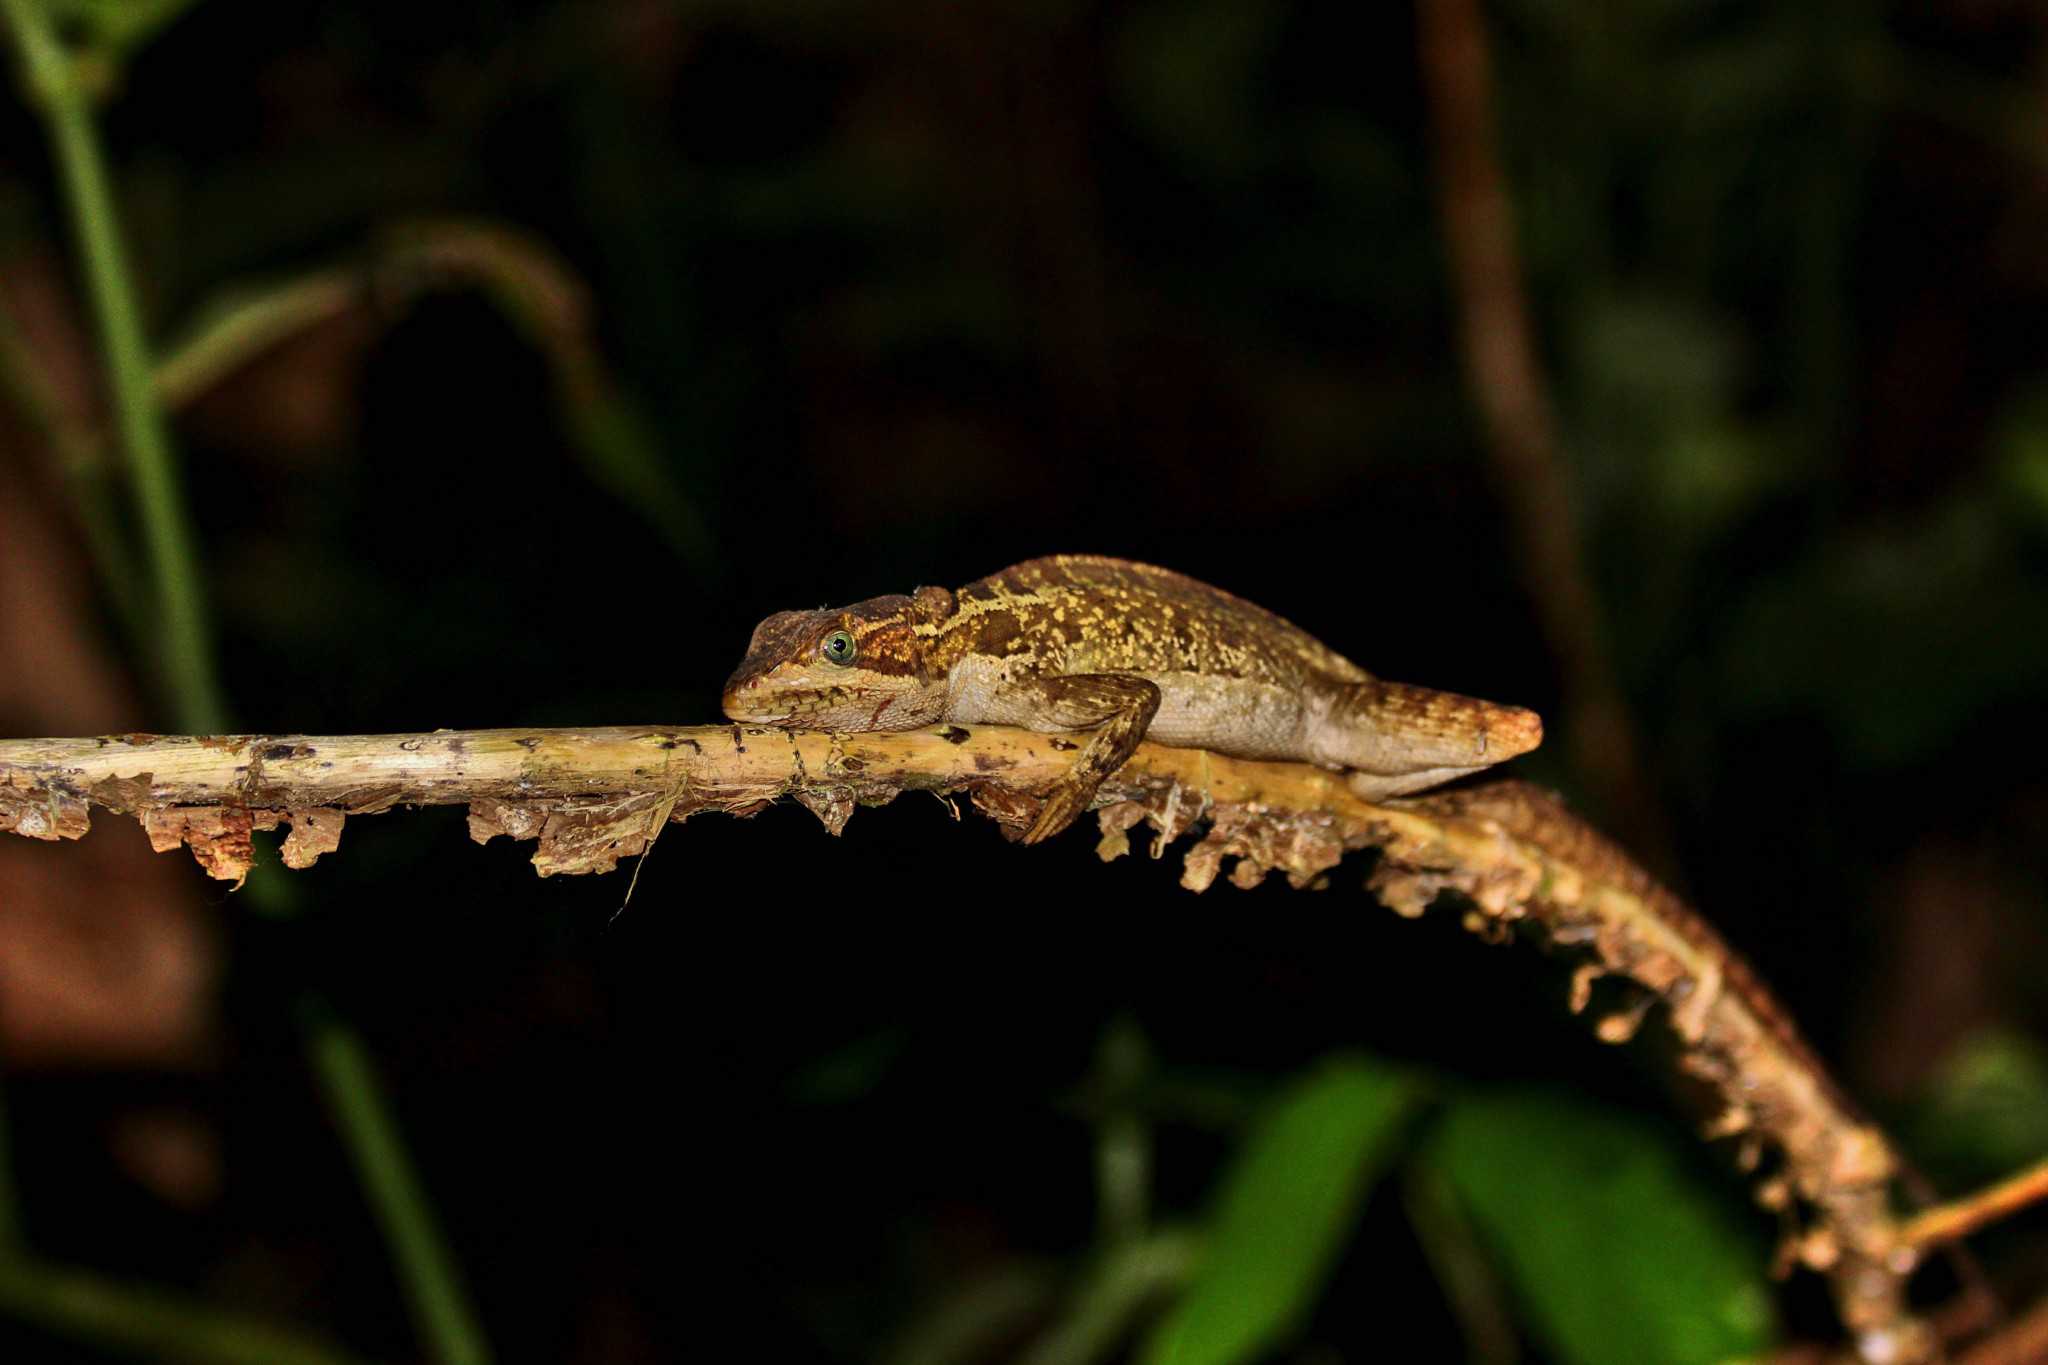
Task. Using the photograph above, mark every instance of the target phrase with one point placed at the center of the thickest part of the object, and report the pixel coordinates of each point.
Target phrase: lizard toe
(1061, 809)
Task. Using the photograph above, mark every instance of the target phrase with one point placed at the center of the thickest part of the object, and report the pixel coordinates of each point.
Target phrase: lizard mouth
(754, 709)
(793, 709)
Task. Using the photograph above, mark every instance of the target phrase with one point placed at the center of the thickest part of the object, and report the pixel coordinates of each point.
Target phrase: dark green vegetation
(604, 329)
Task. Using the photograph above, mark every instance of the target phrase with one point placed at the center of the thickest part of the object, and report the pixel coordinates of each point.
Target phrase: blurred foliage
(1648, 1264)
(1986, 1112)
(1284, 1209)
(1944, 583)
(115, 27)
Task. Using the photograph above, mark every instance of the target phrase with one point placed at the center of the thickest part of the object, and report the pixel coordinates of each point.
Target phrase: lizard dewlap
(1126, 652)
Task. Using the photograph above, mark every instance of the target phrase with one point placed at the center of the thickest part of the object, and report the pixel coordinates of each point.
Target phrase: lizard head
(852, 668)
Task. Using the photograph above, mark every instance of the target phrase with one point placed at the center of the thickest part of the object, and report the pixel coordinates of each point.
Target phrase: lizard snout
(745, 699)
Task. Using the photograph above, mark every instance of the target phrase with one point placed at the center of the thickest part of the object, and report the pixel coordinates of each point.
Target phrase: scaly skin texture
(1123, 651)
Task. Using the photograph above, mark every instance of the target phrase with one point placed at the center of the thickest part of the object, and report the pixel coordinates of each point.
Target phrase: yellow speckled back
(1080, 613)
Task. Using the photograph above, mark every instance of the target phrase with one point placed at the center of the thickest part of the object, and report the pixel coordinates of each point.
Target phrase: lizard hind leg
(1117, 707)
(1395, 738)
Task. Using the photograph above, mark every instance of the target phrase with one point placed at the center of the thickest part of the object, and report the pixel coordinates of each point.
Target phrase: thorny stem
(1514, 856)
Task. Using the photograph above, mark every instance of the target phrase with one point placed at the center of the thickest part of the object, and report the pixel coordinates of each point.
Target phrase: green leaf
(119, 25)
(1613, 1247)
(1283, 1212)
(1986, 1109)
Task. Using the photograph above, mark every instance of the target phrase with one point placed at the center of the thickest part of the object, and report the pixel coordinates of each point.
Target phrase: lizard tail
(1392, 728)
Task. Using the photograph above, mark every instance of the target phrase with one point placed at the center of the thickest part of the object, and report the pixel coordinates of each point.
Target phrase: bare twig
(1960, 1218)
(1514, 856)
(1508, 383)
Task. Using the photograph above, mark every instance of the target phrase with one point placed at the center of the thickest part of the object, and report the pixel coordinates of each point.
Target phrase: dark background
(657, 318)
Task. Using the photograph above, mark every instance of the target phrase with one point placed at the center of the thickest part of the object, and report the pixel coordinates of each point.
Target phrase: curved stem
(1513, 394)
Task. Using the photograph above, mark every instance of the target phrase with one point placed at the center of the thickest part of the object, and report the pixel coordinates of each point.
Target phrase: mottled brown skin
(1125, 651)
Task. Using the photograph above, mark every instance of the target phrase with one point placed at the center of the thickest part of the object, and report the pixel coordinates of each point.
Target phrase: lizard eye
(838, 647)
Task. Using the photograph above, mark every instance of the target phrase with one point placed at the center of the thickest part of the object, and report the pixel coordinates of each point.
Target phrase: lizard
(1127, 652)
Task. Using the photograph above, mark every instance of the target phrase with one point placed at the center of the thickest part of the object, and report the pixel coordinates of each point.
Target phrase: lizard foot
(1066, 805)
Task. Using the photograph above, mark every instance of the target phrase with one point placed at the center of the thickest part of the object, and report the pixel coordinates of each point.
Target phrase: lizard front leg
(1118, 707)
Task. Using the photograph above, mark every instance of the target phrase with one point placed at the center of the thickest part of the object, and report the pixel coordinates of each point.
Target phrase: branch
(1513, 394)
(1512, 854)
(1947, 1222)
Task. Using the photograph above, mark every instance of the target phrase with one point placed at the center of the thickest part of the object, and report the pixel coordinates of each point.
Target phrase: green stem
(440, 1308)
(1123, 1135)
(246, 326)
(149, 1323)
(971, 1324)
(1108, 1303)
(186, 638)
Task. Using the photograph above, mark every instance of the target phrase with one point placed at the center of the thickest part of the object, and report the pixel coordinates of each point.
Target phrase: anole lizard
(1083, 643)
(1127, 651)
